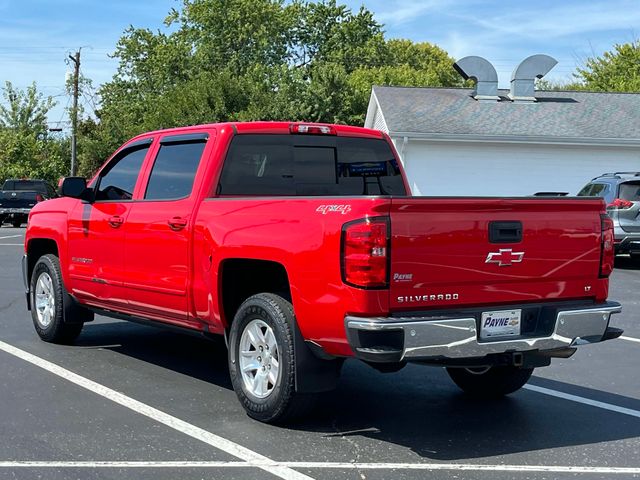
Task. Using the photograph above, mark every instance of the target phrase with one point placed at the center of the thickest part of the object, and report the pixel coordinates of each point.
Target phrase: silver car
(621, 191)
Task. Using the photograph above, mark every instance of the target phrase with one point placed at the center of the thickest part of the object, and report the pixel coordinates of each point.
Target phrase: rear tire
(262, 360)
(16, 224)
(48, 297)
(491, 382)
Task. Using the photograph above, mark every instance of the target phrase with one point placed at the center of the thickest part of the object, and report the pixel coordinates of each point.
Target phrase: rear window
(309, 165)
(25, 185)
(629, 191)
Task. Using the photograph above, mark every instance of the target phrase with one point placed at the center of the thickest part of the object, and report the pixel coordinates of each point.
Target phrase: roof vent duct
(482, 72)
(524, 77)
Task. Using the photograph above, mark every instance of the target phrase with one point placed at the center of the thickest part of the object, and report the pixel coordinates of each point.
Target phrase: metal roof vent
(525, 74)
(485, 76)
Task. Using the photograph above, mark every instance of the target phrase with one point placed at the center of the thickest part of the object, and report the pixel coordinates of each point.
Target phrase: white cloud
(398, 13)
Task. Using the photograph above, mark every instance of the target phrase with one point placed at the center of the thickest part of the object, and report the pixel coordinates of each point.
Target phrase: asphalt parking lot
(130, 401)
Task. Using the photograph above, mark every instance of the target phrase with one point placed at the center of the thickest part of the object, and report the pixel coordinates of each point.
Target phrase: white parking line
(583, 400)
(12, 244)
(283, 470)
(10, 236)
(238, 451)
(630, 339)
(333, 465)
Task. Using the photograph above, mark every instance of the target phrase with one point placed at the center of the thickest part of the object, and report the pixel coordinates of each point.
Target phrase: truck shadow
(191, 355)
(625, 262)
(417, 408)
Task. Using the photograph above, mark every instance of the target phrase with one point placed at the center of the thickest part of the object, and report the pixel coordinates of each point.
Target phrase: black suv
(621, 191)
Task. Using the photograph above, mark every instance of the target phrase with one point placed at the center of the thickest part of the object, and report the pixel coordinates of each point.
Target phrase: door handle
(177, 223)
(116, 221)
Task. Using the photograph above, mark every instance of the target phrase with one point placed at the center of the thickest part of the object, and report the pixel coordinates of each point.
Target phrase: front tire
(490, 382)
(262, 360)
(16, 224)
(47, 303)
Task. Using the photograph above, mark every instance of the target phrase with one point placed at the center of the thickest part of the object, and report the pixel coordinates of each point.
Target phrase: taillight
(39, 198)
(312, 129)
(620, 204)
(365, 253)
(607, 253)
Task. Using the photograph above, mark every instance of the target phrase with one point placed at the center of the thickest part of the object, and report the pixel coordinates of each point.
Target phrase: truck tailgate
(18, 199)
(444, 256)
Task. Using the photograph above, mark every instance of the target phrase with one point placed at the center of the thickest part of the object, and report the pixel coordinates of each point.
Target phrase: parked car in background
(621, 192)
(18, 197)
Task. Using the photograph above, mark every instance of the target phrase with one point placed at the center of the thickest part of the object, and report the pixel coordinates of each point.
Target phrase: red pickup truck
(301, 244)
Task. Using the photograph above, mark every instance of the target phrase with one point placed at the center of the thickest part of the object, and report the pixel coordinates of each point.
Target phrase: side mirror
(76, 187)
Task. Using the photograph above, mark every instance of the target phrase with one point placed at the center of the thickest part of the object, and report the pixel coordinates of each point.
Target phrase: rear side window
(594, 190)
(121, 175)
(309, 165)
(629, 191)
(174, 171)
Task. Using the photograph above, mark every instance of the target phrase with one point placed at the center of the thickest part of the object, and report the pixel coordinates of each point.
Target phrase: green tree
(25, 110)
(557, 86)
(26, 148)
(220, 60)
(617, 70)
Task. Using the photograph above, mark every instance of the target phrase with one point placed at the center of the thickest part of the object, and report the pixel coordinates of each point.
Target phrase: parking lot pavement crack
(8, 305)
(354, 446)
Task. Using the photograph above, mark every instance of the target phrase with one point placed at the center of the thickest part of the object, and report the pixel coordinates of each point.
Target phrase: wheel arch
(313, 374)
(240, 278)
(36, 248)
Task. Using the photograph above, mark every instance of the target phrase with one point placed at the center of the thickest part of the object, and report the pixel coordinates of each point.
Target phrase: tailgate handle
(505, 232)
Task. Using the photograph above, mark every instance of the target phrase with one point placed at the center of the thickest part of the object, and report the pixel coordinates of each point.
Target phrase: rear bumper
(453, 339)
(14, 211)
(628, 243)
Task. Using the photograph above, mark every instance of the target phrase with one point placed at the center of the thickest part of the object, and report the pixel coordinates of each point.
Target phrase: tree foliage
(220, 60)
(617, 70)
(24, 110)
(26, 148)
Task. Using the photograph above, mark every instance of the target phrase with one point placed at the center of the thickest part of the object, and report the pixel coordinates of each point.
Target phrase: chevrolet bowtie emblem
(505, 257)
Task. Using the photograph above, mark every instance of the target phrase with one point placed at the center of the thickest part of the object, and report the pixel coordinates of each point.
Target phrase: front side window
(598, 190)
(174, 171)
(586, 190)
(119, 178)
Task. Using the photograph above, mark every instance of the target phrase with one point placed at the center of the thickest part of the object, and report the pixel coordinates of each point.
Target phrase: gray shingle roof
(452, 111)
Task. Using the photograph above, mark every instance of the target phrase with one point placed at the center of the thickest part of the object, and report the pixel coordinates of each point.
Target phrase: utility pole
(74, 112)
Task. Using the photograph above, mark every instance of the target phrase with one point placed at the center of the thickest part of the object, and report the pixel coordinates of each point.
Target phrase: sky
(36, 36)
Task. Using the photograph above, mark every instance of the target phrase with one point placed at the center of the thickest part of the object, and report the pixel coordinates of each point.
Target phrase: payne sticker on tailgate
(501, 323)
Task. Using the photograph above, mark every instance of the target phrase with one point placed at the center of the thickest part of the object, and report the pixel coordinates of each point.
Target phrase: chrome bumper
(20, 211)
(422, 338)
